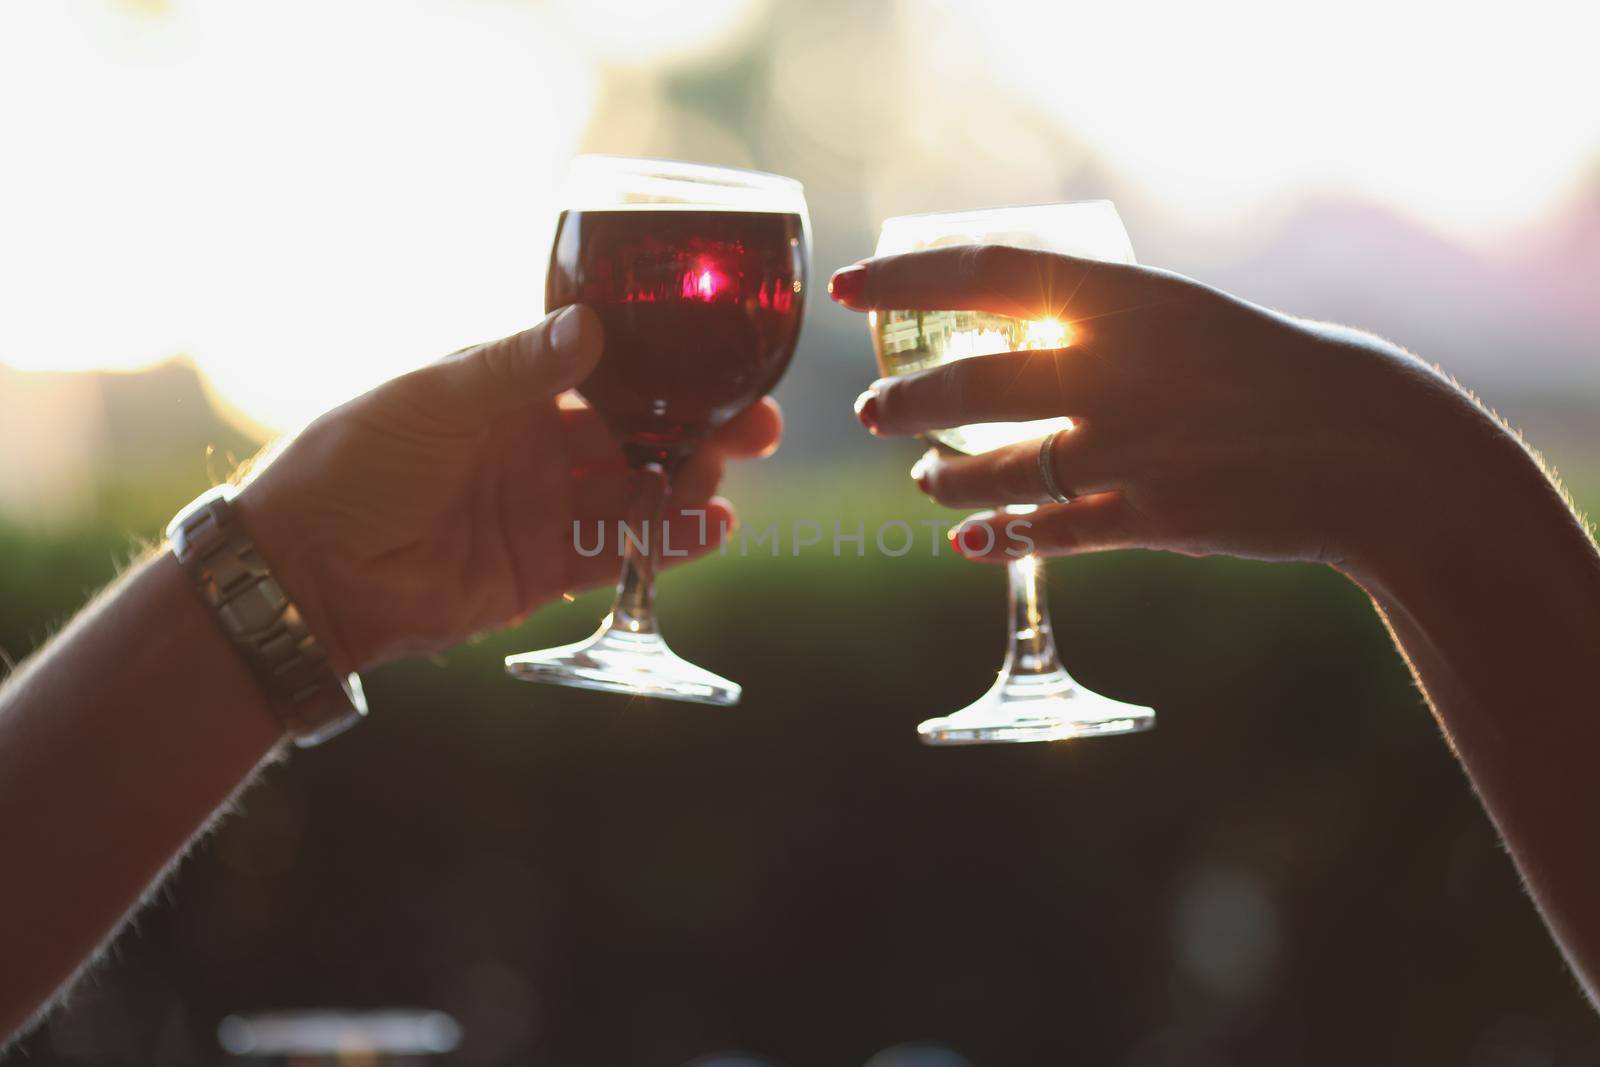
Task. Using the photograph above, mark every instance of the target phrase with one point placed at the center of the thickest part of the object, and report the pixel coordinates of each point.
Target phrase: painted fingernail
(867, 410)
(958, 539)
(974, 539)
(849, 287)
(920, 469)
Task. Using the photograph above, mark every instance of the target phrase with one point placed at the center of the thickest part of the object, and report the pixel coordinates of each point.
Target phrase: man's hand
(434, 507)
(440, 505)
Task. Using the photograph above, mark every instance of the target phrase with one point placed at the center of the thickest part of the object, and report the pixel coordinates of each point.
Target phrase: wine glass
(699, 275)
(1033, 699)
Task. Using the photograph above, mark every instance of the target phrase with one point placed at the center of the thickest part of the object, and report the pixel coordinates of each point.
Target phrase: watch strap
(309, 698)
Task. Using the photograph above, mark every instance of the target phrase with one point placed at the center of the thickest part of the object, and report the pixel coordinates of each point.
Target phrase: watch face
(213, 503)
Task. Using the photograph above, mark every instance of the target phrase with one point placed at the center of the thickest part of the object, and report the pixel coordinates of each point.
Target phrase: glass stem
(1031, 646)
(634, 609)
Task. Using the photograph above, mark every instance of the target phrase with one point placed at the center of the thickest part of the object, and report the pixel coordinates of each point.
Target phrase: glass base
(617, 661)
(1036, 707)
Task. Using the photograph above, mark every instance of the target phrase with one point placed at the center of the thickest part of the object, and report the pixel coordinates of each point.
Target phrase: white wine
(1033, 698)
(910, 341)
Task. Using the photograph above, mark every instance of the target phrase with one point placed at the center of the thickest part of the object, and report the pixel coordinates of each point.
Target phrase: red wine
(701, 311)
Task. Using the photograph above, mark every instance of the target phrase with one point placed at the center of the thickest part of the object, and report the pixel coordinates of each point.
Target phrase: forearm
(117, 743)
(1497, 609)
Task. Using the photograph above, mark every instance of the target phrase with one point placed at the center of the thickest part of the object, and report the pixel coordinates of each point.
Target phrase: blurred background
(218, 219)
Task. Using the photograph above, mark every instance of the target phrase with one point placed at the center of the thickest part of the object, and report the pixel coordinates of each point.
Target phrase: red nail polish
(969, 540)
(919, 470)
(849, 287)
(867, 410)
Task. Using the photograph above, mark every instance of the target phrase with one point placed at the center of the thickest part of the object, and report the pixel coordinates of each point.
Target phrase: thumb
(537, 364)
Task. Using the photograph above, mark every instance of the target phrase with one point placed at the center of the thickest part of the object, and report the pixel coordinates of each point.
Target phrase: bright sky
(304, 196)
(307, 196)
(1471, 116)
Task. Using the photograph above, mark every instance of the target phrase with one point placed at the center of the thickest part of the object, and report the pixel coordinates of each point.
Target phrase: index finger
(1019, 282)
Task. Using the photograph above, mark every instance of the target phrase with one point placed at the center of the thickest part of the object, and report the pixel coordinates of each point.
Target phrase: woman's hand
(1207, 425)
(441, 504)
(1203, 424)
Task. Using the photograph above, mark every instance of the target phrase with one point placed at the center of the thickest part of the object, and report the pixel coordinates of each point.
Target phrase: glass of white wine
(1033, 699)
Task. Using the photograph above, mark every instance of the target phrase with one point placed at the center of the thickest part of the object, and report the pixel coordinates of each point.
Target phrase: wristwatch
(311, 701)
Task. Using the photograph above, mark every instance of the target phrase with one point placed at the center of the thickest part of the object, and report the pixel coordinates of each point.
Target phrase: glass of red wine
(699, 275)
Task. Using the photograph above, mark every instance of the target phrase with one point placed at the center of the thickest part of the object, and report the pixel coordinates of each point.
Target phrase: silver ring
(1047, 470)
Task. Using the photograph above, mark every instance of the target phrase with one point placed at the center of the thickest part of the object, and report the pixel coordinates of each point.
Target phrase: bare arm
(1498, 615)
(116, 745)
(1205, 425)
